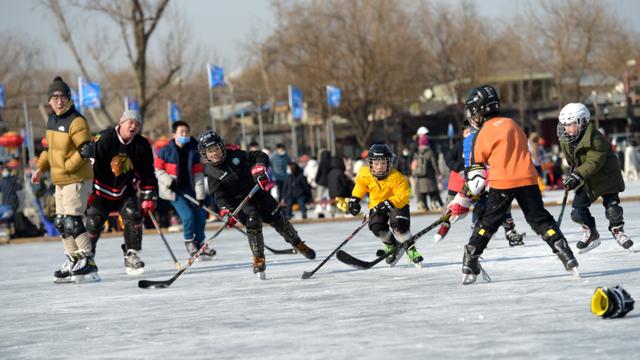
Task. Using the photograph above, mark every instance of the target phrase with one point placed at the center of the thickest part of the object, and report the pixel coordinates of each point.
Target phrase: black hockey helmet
(380, 152)
(481, 101)
(208, 140)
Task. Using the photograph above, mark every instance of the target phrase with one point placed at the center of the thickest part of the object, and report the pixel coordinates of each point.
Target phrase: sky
(219, 27)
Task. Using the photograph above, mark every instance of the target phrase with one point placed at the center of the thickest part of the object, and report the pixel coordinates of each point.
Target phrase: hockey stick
(217, 216)
(164, 240)
(308, 274)
(564, 205)
(145, 284)
(350, 260)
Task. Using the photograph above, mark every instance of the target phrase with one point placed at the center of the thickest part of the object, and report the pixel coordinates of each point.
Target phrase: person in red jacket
(501, 146)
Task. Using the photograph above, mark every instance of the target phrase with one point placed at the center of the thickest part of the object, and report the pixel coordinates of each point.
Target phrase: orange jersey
(502, 145)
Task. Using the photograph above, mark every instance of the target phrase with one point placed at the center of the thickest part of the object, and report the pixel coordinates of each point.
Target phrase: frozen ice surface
(219, 310)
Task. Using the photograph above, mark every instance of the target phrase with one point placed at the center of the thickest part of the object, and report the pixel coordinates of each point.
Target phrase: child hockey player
(596, 173)
(501, 145)
(123, 158)
(231, 174)
(388, 193)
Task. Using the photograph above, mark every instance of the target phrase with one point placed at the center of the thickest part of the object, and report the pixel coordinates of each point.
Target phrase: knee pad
(400, 225)
(73, 226)
(582, 216)
(58, 222)
(380, 230)
(131, 212)
(95, 224)
(614, 214)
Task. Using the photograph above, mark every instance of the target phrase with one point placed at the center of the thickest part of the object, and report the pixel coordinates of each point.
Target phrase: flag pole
(169, 114)
(213, 118)
(80, 96)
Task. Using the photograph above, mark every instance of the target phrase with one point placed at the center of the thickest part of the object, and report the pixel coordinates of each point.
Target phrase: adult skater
(389, 193)
(596, 173)
(180, 171)
(231, 174)
(501, 145)
(123, 163)
(67, 158)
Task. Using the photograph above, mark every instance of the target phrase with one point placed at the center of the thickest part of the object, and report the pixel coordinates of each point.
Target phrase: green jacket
(592, 158)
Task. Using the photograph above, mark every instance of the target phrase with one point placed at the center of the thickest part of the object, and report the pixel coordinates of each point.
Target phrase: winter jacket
(322, 177)
(167, 169)
(279, 165)
(592, 158)
(339, 183)
(9, 187)
(394, 188)
(295, 186)
(403, 164)
(230, 181)
(119, 166)
(65, 134)
(502, 145)
(425, 169)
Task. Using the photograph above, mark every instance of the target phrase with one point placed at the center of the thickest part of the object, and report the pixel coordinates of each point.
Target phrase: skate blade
(575, 272)
(91, 277)
(417, 265)
(437, 239)
(66, 280)
(594, 244)
(132, 271)
(261, 275)
(206, 258)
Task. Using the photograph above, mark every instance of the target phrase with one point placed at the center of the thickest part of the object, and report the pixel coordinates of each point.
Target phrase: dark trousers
(499, 203)
(301, 201)
(581, 214)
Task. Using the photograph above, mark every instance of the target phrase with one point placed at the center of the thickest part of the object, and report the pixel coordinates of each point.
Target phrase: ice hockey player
(465, 151)
(596, 173)
(501, 145)
(123, 159)
(67, 158)
(179, 170)
(231, 174)
(388, 192)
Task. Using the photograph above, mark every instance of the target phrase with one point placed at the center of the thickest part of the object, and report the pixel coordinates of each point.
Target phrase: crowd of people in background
(309, 186)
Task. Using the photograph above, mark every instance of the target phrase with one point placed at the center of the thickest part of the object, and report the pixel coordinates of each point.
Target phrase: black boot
(471, 267)
(565, 254)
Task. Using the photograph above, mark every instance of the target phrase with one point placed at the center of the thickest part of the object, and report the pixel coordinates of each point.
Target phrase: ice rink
(219, 310)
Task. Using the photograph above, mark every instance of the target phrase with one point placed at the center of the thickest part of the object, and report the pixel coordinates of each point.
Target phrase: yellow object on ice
(599, 302)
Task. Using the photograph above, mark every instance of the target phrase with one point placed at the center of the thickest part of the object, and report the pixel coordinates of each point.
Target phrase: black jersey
(119, 165)
(231, 180)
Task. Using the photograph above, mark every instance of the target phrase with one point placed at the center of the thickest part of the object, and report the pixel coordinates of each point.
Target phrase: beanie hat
(59, 85)
(130, 115)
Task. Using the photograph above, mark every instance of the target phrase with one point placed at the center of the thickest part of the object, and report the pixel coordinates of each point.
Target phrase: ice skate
(622, 238)
(590, 239)
(514, 238)
(306, 251)
(259, 267)
(192, 248)
(390, 248)
(132, 262)
(442, 232)
(85, 269)
(63, 275)
(471, 267)
(414, 256)
(207, 253)
(566, 256)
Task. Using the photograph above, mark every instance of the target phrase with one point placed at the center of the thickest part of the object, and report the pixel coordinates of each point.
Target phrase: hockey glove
(572, 181)
(459, 207)
(354, 206)
(259, 172)
(148, 205)
(228, 218)
(383, 208)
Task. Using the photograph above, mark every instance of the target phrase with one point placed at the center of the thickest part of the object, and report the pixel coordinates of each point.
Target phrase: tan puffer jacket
(65, 133)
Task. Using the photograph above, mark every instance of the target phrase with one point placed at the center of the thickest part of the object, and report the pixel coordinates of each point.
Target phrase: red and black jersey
(118, 166)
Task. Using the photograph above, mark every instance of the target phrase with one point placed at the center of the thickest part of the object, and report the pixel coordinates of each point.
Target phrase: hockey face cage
(208, 141)
(572, 113)
(380, 152)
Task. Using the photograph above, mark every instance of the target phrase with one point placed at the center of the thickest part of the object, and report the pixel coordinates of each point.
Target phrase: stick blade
(306, 275)
(150, 284)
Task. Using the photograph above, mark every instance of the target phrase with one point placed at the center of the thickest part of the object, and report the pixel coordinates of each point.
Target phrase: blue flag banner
(75, 98)
(174, 112)
(333, 96)
(131, 103)
(1, 96)
(216, 75)
(90, 94)
(296, 102)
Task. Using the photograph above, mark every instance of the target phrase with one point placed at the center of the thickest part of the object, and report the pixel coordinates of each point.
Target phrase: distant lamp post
(629, 72)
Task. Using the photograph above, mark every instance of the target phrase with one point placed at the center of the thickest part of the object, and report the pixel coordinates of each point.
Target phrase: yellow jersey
(394, 188)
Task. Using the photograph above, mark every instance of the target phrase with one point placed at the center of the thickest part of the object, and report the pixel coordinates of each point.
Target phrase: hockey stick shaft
(164, 239)
(218, 217)
(307, 274)
(563, 206)
(166, 283)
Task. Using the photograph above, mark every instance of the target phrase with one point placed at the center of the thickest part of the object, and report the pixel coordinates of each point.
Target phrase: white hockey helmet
(572, 113)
